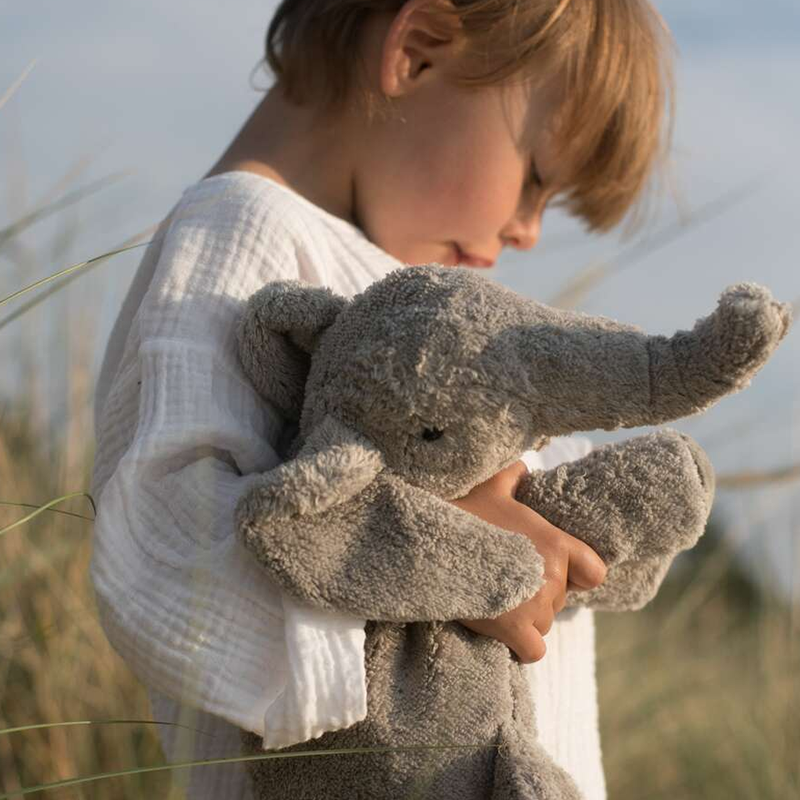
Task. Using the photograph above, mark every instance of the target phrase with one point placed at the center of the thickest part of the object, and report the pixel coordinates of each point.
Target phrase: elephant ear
(334, 464)
(277, 334)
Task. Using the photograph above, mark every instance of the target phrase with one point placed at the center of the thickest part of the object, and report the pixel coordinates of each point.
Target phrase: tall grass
(700, 691)
(55, 663)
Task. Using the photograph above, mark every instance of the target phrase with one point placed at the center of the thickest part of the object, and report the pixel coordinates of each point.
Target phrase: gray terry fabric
(413, 392)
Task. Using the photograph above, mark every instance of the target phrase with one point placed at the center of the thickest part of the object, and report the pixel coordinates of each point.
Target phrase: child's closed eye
(534, 178)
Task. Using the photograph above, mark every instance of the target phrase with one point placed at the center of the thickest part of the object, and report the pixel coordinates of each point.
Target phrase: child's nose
(524, 232)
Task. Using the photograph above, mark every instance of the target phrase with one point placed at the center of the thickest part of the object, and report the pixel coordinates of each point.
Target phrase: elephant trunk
(586, 373)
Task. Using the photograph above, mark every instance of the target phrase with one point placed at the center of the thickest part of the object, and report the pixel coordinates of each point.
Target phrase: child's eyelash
(534, 175)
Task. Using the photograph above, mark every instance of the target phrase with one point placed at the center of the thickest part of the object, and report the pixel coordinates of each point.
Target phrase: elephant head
(449, 376)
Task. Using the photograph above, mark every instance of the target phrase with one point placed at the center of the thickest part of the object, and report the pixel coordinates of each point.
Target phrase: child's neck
(289, 144)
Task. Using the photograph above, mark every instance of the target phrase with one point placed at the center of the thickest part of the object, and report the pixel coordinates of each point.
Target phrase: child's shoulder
(264, 229)
(257, 207)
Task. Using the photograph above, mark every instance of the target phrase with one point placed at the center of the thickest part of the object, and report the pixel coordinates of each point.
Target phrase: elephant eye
(430, 434)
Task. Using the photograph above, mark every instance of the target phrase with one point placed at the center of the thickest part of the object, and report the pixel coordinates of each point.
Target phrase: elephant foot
(525, 771)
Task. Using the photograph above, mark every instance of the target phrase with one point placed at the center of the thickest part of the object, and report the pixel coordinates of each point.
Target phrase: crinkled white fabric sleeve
(563, 684)
(180, 599)
(560, 450)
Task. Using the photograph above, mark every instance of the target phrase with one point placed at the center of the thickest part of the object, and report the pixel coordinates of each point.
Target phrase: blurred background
(109, 111)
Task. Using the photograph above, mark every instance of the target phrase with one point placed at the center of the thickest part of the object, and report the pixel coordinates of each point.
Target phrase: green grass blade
(6, 731)
(68, 270)
(42, 296)
(53, 502)
(53, 510)
(208, 762)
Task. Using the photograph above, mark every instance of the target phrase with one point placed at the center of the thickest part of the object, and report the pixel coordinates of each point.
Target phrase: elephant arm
(637, 503)
(335, 530)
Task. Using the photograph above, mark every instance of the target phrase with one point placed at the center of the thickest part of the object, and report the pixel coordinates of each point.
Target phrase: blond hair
(614, 57)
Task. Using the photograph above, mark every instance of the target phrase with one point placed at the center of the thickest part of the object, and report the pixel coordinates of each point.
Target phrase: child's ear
(278, 332)
(424, 33)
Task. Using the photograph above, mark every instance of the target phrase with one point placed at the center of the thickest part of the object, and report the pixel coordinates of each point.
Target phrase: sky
(157, 90)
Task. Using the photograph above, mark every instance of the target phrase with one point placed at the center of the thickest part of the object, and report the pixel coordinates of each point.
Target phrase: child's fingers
(521, 629)
(586, 569)
(545, 621)
(528, 648)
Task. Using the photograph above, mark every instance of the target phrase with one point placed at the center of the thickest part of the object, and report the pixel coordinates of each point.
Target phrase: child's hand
(569, 564)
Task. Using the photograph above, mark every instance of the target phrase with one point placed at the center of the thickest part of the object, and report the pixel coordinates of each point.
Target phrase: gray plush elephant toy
(413, 392)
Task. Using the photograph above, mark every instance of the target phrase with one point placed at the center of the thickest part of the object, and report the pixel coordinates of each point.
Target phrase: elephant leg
(524, 770)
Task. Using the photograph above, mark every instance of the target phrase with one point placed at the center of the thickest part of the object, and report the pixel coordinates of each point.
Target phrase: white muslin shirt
(180, 436)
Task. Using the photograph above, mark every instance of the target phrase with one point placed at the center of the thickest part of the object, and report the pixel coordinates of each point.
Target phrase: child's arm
(182, 434)
(569, 564)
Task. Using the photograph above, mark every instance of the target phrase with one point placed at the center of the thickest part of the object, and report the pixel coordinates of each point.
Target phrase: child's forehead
(537, 109)
(536, 105)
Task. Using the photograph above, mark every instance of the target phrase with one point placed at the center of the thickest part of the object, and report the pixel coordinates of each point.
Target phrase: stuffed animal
(413, 392)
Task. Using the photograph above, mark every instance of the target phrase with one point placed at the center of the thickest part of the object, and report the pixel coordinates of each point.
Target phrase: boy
(405, 154)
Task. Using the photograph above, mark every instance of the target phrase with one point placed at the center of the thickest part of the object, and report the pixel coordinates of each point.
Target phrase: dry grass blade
(578, 287)
(75, 170)
(12, 90)
(10, 231)
(23, 309)
(746, 480)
